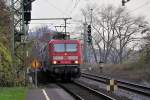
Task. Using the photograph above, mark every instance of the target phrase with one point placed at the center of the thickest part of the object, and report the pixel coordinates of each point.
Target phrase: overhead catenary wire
(68, 5)
(64, 12)
(74, 7)
(141, 6)
(42, 23)
(51, 4)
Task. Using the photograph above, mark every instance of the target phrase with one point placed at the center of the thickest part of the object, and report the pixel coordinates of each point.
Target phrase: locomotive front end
(65, 59)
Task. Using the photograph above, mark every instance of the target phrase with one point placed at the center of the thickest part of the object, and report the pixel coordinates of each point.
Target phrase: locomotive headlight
(76, 62)
(72, 57)
(57, 57)
(54, 62)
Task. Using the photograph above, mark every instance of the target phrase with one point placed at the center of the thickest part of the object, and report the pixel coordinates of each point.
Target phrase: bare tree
(127, 30)
(114, 32)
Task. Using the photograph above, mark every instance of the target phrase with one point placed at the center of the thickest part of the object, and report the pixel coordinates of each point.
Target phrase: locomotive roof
(64, 41)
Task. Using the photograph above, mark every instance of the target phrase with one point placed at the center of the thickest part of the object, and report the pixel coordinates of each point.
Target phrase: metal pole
(25, 51)
(24, 30)
(65, 25)
(36, 67)
(18, 29)
(13, 38)
(12, 30)
(50, 18)
(36, 77)
(91, 16)
(85, 43)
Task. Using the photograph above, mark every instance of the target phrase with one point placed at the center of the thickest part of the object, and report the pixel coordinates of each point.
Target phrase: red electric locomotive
(62, 59)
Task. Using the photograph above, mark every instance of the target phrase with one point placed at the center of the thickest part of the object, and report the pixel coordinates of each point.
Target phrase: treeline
(6, 70)
(118, 35)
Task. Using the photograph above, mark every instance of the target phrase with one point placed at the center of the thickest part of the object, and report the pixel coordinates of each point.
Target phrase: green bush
(5, 64)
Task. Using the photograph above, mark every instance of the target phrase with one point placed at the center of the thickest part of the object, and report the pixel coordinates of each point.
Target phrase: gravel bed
(82, 92)
(120, 93)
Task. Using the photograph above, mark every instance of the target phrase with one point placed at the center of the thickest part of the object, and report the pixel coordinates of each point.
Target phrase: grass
(12, 93)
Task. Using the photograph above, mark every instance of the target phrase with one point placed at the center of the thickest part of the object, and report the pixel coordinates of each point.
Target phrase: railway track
(81, 92)
(136, 88)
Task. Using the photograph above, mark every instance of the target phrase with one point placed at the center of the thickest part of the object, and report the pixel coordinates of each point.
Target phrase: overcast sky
(72, 8)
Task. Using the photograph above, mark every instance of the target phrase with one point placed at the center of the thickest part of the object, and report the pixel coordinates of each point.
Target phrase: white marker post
(111, 85)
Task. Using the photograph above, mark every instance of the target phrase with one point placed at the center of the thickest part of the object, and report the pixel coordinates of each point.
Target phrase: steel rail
(77, 97)
(122, 84)
(106, 97)
(94, 92)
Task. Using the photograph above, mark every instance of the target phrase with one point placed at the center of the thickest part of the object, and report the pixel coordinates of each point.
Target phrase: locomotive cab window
(65, 47)
(59, 47)
(71, 47)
